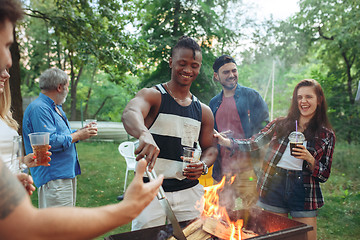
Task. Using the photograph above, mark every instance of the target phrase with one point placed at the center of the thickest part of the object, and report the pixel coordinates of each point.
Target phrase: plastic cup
(91, 122)
(40, 144)
(295, 138)
(190, 155)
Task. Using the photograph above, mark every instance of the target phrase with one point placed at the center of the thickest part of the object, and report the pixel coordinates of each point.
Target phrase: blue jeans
(286, 194)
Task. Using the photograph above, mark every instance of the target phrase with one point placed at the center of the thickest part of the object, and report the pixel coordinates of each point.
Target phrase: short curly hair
(186, 42)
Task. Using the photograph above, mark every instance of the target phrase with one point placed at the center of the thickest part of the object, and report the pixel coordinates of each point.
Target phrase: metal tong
(177, 231)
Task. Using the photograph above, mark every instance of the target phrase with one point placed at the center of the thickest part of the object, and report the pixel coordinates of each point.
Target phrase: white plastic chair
(127, 149)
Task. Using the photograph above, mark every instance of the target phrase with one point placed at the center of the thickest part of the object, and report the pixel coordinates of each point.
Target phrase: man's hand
(147, 149)
(193, 170)
(84, 133)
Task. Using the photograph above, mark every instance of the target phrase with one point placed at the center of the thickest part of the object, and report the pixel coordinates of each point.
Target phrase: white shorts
(185, 205)
(57, 193)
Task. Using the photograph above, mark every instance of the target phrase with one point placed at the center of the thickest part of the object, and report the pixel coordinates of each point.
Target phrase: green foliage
(159, 75)
(107, 99)
(334, 30)
(164, 22)
(321, 42)
(73, 34)
(345, 117)
(336, 26)
(99, 31)
(91, 40)
(258, 75)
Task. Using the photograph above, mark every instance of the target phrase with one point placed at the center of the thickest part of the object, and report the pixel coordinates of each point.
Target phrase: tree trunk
(176, 18)
(48, 46)
(89, 92)
(349, 77)
(74, 84)
(15, 84)
(101, 106)
(58, 51)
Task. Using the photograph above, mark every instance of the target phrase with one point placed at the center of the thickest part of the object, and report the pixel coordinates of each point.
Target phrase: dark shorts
(286, 194)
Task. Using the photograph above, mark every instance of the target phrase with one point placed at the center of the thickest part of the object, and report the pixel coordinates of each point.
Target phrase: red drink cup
(40, 144)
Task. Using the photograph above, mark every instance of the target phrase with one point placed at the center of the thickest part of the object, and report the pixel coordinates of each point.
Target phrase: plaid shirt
(321, 148)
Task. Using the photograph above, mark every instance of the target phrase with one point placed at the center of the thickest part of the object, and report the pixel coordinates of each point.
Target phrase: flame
(214, 210)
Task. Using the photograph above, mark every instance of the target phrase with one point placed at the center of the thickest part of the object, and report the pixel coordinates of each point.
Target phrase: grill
(266, 225)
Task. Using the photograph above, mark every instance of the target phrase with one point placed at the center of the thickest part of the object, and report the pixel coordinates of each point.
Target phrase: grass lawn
(103, 173)
(339, 218)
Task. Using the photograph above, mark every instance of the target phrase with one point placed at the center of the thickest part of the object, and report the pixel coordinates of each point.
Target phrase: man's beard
(229, 87)
(62, 97)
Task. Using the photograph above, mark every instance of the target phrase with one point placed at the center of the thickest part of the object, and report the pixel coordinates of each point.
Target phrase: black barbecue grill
(266, 225)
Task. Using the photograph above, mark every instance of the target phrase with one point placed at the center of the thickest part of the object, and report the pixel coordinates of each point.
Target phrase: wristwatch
(205, 168)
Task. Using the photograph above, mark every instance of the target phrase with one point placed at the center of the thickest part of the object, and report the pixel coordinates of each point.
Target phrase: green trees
(111, 48)
(80, 36)
(164, 22)
(90, 38)
(321, 41)
(333, 30)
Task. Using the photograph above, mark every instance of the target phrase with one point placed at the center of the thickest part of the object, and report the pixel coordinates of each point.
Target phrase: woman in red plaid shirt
(290, 184)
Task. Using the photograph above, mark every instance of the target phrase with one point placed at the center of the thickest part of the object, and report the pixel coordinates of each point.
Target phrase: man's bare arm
(23, 221)
(137, 116)
(136, 111)
(11, 192)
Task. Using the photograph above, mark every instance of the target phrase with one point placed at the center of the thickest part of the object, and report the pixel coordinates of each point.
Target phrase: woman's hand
(222, 139)
(31, 161)
(301, 152)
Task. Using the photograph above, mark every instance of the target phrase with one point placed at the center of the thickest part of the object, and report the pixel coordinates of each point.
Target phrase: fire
(214, 210)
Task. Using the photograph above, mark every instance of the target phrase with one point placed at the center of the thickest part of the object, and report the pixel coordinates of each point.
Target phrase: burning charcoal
(162, 235)
(184, 224)
(165, 234)
(248, 234)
